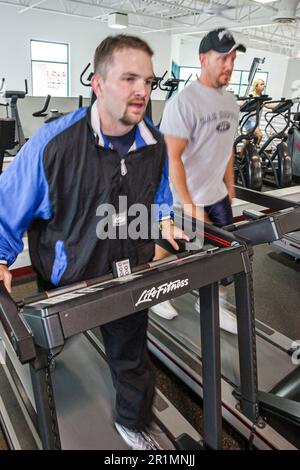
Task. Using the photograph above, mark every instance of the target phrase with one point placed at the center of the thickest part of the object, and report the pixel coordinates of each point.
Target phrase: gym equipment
(13, 96)
(54, 113)
(49, 369)
(290, 244)
(294, 143)
(171, 85)
(155, 84)
(7, 138)
(87, 81)
(277, 166)
(177, 346)
(247, 164)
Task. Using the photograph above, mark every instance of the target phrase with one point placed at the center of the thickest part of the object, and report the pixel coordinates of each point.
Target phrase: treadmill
(55, 386)
(290, 244)
(177, 345)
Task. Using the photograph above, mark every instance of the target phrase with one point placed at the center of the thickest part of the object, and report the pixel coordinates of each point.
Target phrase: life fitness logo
(154, 293)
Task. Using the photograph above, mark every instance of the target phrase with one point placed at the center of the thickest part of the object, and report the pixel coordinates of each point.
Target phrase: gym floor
(277, 297)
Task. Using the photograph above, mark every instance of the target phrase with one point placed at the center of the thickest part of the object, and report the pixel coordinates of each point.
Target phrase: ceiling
(253, 20)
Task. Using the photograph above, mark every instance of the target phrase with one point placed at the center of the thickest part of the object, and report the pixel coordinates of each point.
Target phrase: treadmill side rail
(16, 330)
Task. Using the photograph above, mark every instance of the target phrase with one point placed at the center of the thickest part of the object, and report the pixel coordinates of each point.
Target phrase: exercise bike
(13, 96)
(156, 81)
(7, 138)
(247, 165)
(54, 113)
(276, 160)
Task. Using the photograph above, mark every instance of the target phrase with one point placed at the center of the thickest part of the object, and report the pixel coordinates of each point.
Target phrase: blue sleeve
(24, 196)
(164, 198)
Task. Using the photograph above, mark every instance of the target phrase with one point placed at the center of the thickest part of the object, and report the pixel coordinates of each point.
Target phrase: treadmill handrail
(263, 199)
(18, 334)
(123, 297)
(268, 228)
(216, 235)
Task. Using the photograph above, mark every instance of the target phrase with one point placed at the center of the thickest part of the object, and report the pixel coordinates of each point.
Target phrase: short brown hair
(104, 52)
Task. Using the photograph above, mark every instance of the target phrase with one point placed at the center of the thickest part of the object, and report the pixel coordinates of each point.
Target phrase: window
(188, 73)
(49, 68)
(238, 83)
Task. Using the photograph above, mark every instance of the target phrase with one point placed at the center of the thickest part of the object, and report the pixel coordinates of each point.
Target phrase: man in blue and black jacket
(54, 188)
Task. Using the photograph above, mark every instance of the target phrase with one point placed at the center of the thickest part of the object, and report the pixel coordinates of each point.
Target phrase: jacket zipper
(123, 167)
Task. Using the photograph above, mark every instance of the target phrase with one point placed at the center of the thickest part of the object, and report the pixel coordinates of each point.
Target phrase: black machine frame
(50, 324)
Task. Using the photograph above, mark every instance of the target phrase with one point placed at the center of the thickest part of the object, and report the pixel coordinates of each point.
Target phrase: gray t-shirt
(208, 119)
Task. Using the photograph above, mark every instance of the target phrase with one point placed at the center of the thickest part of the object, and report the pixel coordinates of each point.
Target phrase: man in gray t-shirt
(199, 125)
(204, 121)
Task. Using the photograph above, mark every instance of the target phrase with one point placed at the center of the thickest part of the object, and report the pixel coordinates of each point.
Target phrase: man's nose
(229, 65)
(140, 88)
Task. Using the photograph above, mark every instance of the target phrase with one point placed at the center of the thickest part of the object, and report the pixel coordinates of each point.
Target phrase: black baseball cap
(220, 40)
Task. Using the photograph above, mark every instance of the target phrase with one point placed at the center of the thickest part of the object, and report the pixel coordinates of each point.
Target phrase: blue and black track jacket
(57, 182)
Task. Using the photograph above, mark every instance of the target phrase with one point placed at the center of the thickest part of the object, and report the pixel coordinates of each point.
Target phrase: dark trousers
(125, 342)
(220, 213)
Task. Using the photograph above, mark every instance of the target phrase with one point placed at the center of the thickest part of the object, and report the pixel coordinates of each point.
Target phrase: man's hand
(169, 232)
(229, 177)
(5, 276)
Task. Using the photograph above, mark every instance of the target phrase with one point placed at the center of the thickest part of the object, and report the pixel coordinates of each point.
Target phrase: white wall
(275, 64)
(292, 81)
(83, 36)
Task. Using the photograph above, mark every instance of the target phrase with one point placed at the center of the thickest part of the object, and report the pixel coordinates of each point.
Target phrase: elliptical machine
(277, 161)
(248, 166)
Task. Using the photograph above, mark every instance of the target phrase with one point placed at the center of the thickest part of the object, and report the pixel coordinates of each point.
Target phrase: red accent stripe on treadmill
(217, 239)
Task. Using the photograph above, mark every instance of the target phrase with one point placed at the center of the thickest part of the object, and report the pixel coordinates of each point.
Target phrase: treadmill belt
(84, 397)
(185, 328)
(82, 385)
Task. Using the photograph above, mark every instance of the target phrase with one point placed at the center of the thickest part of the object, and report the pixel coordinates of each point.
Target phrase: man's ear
(202, 59)
(96, 84)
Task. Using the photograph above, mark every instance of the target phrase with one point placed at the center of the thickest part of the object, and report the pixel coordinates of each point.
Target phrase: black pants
(125, 342)
(220, 213)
